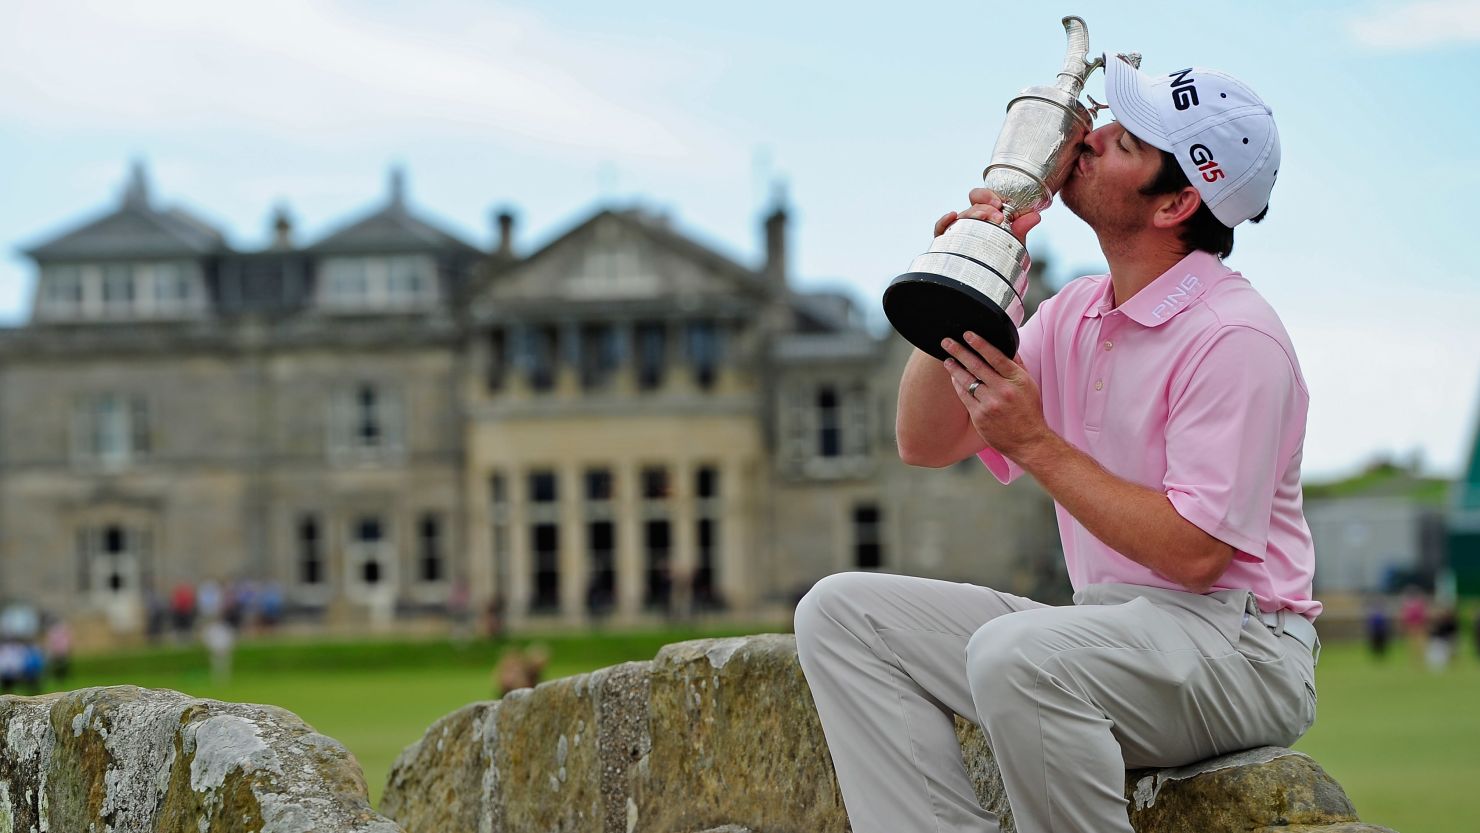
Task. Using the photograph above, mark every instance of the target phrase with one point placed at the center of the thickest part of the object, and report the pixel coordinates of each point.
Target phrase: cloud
(335, 71)
(1418, 25)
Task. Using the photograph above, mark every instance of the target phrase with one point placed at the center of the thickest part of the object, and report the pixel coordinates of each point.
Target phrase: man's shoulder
(1235, 322)
(1234, 302)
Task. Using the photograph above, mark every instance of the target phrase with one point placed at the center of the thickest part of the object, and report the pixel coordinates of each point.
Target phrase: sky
(872, 119)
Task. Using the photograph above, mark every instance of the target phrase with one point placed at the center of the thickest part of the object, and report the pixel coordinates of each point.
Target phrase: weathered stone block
(1266, 787)
(446, 780)
(124, 759)
(722, 735)
(735, 741)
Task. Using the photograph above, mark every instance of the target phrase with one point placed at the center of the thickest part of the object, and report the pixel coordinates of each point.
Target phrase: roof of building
(134, 229)
(852, 346)
(392, 227)
(657, 228)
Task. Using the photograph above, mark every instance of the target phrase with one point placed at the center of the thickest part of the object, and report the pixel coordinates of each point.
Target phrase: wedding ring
(971, 388)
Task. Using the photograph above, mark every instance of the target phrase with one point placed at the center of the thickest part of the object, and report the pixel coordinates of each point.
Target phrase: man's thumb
(1023, 224)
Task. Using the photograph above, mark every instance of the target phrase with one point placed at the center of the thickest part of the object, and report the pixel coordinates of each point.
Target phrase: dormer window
(378, 282)
(172, 288)
(129, 291)
(118, 288)
(61, 291)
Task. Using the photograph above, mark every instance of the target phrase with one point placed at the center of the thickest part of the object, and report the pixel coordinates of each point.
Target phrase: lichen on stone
(223, 743)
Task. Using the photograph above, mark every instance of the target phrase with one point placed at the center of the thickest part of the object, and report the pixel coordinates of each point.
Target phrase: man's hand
(987, 206)
(1005, 408)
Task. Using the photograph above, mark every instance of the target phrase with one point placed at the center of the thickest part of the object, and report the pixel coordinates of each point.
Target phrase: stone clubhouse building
(617, 423)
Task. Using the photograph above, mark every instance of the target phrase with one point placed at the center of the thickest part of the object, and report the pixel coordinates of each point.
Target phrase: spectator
(157, 616)
(459, 610)
(1442, 636)
(1414, 618)
(493, 618)
(518, 669)
(33, 668)
(182, 608)
(241, 605)
(1477, 634)
(271, 605)
(59, 650)
(12, 665)
(1379, 627)
(208, 602)
(220, 641)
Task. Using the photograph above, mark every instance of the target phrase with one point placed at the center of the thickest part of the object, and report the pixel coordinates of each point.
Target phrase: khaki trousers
(1068, 697)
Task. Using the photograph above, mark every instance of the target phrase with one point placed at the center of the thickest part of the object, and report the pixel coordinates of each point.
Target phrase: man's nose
(1096, 139)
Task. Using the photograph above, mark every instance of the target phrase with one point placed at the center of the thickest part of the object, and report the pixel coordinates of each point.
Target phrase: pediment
(617, 258)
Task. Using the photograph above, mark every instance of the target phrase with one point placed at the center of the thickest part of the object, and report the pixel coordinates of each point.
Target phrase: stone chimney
(398, 187)
(504, 219)
(282, 229)
(775, 267)
(778, 316)
(136, 192)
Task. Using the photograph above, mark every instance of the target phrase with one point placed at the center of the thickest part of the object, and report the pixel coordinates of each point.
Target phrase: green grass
(1404, 742)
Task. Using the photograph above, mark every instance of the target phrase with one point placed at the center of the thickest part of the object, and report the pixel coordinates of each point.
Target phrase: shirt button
(1109, 344)
(1099, 384)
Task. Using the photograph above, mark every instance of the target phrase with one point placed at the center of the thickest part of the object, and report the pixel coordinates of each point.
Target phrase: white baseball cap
(1220, 131)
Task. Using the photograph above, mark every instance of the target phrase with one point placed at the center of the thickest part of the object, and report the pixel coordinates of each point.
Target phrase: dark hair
(1202, 231)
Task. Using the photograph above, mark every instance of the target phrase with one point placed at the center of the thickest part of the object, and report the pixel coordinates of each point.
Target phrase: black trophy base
(927, 309)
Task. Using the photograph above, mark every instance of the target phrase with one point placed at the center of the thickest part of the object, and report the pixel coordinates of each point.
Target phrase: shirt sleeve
(1030, 353)
(1232, 427)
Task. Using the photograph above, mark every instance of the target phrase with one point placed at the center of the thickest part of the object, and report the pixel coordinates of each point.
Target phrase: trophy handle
(1076, 69)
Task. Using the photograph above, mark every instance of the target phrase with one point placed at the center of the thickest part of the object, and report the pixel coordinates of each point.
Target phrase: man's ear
(1175, 209)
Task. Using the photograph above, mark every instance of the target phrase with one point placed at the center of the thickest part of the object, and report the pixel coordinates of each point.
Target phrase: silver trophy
(975, 275)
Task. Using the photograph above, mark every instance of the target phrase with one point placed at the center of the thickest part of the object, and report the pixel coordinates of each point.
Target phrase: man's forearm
(1135, 521)
(929, 411)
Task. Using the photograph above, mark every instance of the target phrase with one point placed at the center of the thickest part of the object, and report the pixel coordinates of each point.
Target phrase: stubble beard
(1073, 198)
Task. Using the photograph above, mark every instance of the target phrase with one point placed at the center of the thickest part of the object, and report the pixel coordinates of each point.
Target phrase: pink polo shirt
(1191, 388)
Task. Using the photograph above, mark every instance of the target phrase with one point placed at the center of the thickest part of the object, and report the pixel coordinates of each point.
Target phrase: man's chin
(1069, 196)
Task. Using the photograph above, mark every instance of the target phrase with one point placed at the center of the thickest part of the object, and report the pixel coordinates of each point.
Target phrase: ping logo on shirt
(1179, 296)
(1184, 94)
(1203, 159)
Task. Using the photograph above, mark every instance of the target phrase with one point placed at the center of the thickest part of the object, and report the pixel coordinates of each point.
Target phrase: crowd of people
(1430, 629)
(242, 605)
(33, 652)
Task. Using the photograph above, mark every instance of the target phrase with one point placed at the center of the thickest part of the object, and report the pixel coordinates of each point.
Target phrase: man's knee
(820, 607)
(1001, 664)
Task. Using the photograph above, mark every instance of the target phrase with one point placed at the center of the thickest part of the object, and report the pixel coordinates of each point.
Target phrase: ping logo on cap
(1184, 94)
(1203, 159)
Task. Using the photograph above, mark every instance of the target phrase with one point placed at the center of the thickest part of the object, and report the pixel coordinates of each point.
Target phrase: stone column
(684, 560)
(738, 542)
(574, 562)
(520, 559)
(631, 577)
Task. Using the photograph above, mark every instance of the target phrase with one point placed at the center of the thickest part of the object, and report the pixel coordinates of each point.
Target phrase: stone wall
(132, 760)
(711, 736)
(722, 735)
